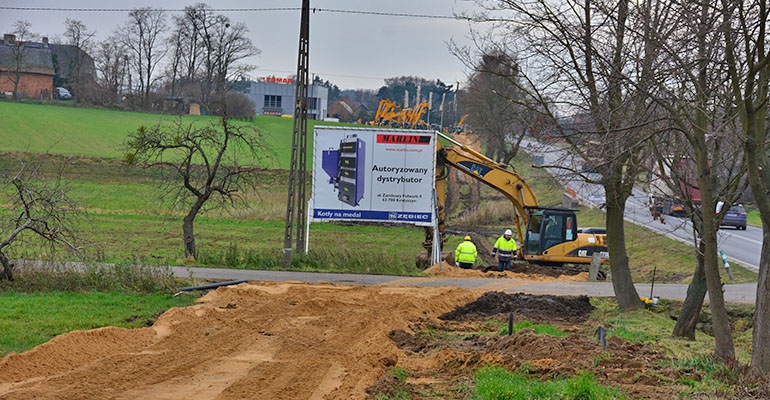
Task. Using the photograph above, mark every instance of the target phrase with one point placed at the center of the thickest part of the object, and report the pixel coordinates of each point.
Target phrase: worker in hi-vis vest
(505, 248)
(465, 254)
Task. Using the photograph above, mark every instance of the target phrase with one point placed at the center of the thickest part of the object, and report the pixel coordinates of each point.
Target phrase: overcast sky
(350, 47)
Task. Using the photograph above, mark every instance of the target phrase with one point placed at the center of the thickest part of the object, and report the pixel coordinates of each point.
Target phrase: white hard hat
(508, 232)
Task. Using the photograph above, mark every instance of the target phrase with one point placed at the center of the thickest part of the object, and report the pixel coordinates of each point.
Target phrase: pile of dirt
(322, 341)
(573, 309)
(255, 341)
(520, 270)
(523, 267)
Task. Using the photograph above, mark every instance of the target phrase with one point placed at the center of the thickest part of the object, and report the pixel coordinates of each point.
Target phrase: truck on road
(673, 182)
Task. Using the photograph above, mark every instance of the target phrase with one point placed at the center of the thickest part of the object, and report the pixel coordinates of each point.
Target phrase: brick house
(43, 66)
(35, 72)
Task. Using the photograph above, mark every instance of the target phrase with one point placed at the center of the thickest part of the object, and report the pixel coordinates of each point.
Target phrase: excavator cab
(549, 227)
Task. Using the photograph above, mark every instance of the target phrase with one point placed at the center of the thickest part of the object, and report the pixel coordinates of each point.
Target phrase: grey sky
(351, 50)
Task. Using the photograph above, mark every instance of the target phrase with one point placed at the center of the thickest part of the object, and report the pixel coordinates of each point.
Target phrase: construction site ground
(294, 340)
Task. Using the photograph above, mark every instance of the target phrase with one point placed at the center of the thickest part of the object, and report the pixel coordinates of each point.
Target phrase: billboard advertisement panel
(373, 174)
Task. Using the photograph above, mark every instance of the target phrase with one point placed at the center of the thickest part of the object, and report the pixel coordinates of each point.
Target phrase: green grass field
(89, 132)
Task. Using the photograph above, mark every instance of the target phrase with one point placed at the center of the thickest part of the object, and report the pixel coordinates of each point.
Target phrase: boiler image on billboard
(345, 167)
(373, 175)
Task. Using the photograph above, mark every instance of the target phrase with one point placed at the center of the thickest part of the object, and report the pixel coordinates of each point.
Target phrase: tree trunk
(721, 323)
(622, 283)
(760, 350)
(759, 181)
(475, 195)
(7, 272)
(188, 230)
(189, 235)
(693, 302)
(452, 191)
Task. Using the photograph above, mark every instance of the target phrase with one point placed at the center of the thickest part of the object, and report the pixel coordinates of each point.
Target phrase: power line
(324, 74)
(264, 9)
(387, 14)
(315, 10)
(132, 9)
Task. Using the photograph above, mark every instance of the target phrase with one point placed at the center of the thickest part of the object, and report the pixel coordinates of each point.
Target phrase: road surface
(743, 293)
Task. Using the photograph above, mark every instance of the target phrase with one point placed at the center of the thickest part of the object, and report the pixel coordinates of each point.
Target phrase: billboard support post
(307, 228)
(436, 249)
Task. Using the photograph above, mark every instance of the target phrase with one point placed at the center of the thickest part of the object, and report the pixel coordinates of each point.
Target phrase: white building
(276, 96)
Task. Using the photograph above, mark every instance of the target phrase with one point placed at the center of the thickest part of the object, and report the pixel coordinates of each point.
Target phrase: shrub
(42, 276)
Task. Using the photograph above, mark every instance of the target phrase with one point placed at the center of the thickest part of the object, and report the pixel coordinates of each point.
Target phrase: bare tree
(744, 25)
(44, 212)
(224, 45)
(190, 26)
(209, 48)
(186, 46)
(177, 53)
(576, 64)
(693, 98)
(141, 36)
(21, 30)
(232, 46)
(78, 35)
(112, 66)
(498, 109)
(212, 166)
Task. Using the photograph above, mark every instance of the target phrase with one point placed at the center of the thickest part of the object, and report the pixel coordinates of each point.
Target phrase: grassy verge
(30, 319)
(753, 218)
(653, 327)
(495, 383)
(48, 299)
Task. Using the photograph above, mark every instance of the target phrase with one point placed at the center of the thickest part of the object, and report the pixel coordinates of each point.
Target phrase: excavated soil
(519, 270)
(264, 340)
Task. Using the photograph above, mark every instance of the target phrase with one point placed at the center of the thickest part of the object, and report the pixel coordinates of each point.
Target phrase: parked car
(735, 216)
(62, 94)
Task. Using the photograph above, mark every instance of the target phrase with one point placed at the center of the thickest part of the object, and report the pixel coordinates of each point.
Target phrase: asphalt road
(744, 293)
(742, 247)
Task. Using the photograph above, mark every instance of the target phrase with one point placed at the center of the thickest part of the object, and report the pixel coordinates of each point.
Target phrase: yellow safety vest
(466, 252)
(504, 248)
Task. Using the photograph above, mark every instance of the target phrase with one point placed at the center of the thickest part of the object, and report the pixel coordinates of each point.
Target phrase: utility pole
(297, 197)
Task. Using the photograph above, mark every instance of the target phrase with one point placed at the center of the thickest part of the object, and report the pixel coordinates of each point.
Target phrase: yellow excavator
(389, 113)
(546, 235)
(386, 113)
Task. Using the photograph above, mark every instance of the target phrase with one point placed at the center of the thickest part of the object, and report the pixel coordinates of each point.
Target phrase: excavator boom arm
(493, 174)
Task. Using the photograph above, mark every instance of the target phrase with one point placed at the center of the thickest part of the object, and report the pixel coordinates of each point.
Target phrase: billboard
(373, 174)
